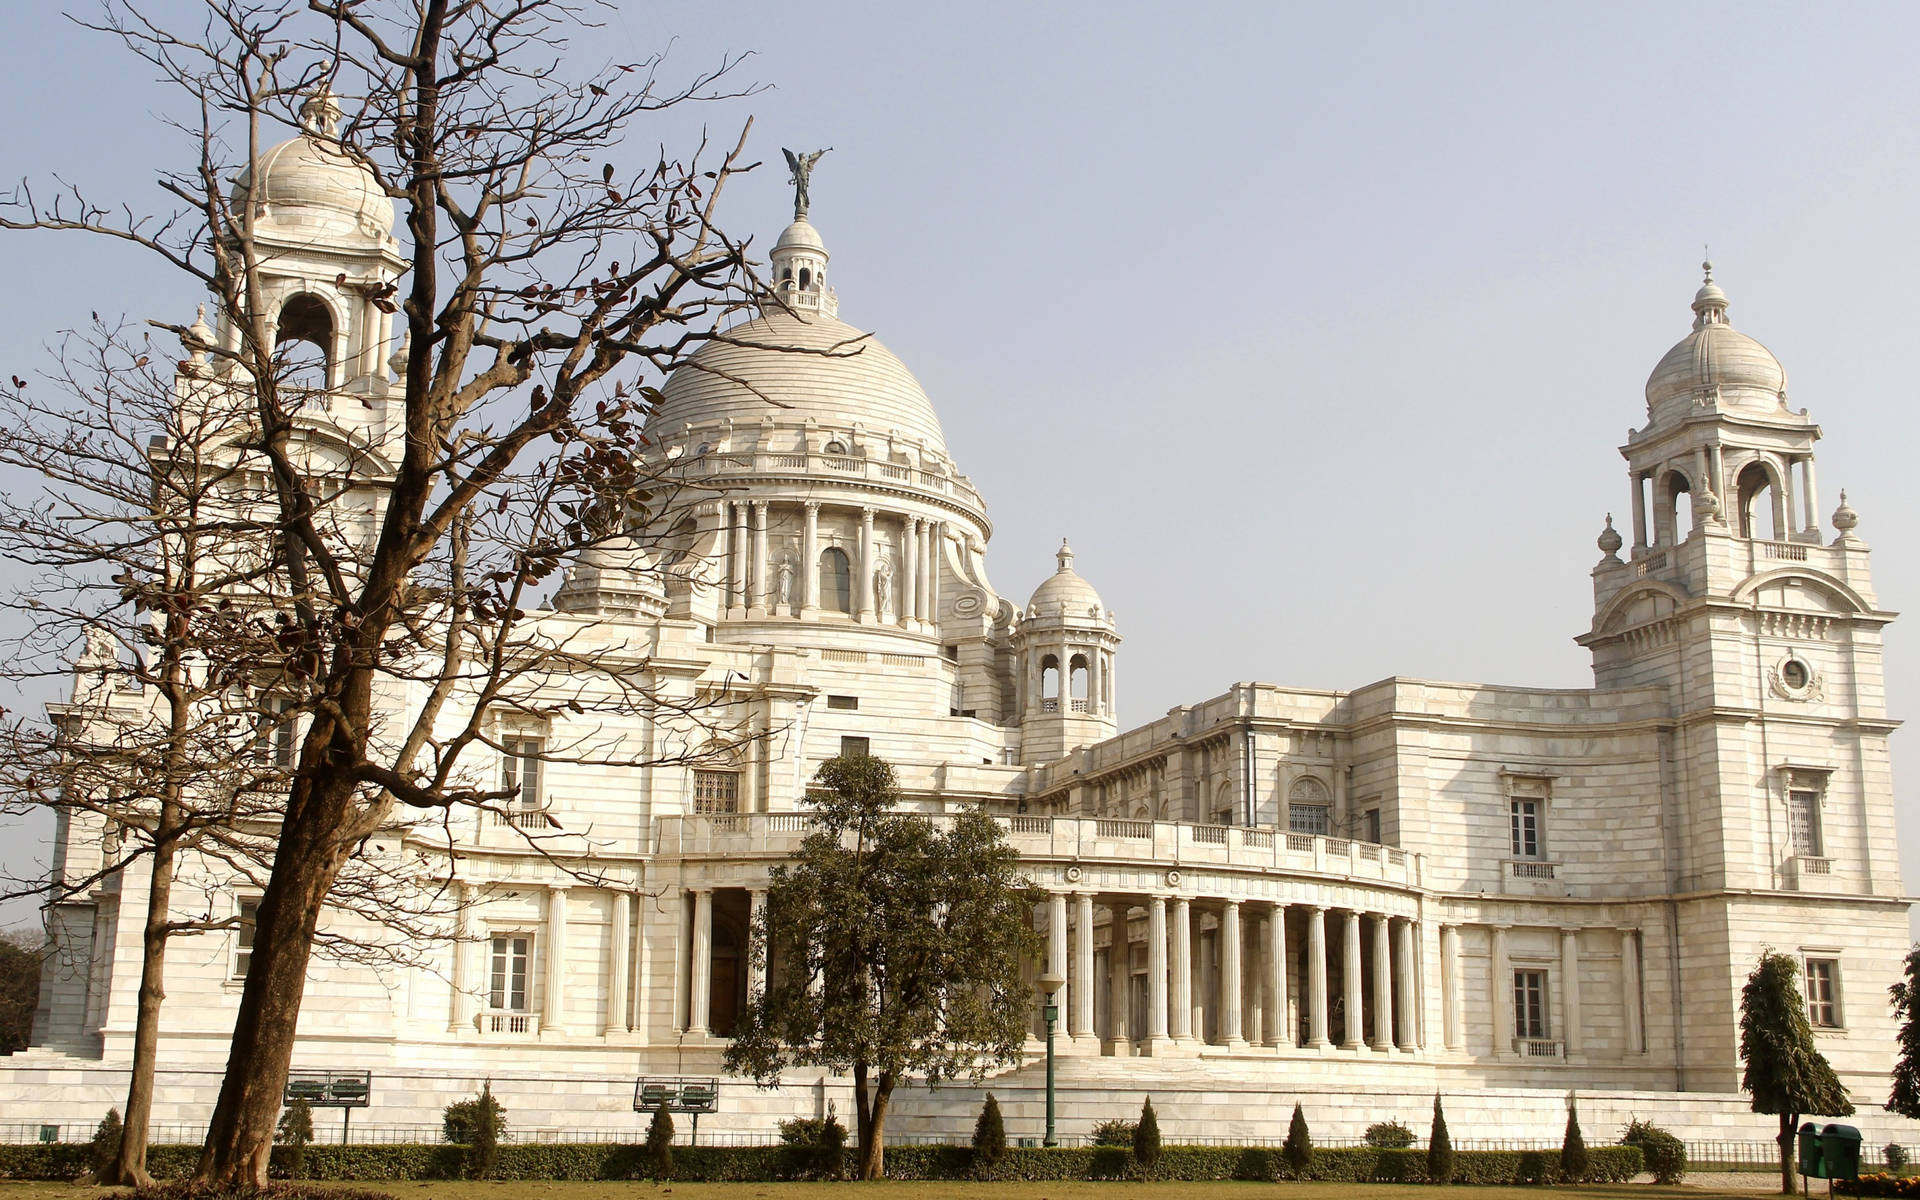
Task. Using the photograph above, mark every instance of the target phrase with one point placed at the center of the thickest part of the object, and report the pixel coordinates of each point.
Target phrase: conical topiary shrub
(1298, 1150)
(1439, 1147)
(989, 1138)
(660, 1143)
(1574, 1164)
(1146, 1138)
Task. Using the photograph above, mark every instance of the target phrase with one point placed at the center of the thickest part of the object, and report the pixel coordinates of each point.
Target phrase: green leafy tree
(1905, 1098)
(660, 1143)
(19, 989)
(295, 1132)
(1785, 1073)
(897, 944)
(989, 1137)
(1439, 1147)
(1574, 1162)
(105, 1146)
(1665, 1155)
(1298, 1148)
(480, 1122)
(1146, 1138)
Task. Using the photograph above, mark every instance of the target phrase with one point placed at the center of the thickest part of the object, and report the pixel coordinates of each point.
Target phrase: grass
(956, 1191)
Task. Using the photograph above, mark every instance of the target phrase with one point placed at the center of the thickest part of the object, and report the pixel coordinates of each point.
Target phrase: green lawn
(958, 1191)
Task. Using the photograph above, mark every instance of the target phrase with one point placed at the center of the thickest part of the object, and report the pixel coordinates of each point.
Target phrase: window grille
(1309, 819)
(716, 791)
(855, 747)
(1803, 822)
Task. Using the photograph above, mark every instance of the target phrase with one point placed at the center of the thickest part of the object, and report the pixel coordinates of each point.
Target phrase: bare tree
(544, 291)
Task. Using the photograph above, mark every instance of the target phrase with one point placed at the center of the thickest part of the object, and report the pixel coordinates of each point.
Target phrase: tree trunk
(309, 857)
(862, 1113)
(873, 1152)
(129, 1167)
(1787, 1123)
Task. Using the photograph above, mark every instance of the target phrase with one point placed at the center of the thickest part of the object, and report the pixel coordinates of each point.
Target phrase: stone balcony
(833, 468)
(1092, 841)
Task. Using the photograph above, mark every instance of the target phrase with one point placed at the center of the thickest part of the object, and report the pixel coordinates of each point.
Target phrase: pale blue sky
(1316, 328)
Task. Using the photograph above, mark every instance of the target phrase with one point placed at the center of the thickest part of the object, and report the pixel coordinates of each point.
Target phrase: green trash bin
(1810, 1163)
(1840, 1151)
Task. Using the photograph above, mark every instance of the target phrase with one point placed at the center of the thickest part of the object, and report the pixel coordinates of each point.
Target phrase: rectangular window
(716, 791)
(507, 980)
(1309, 818)
(1803, 821)
(273, 733)
(520, 767)
(1823, 1007)
(1530, 1004)
(855, 747)
(1524, 816)
(1373, 825)
(843, 703)
(243, 938)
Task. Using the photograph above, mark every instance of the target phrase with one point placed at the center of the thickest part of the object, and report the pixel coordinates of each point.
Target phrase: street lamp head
(1051, 983)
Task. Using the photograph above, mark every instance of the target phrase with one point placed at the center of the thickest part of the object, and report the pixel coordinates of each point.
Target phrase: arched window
(1761, 506)
(806, 277)
(1223, 805)
(1675, 517)
(836, 580)
(1077, 677)
(1308, 807)
(303, 343)
(1050, 684)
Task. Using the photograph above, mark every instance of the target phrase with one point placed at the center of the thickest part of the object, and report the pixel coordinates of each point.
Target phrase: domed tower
(820, 510)
(323, 225)
(1765, 637)
(1064, 646)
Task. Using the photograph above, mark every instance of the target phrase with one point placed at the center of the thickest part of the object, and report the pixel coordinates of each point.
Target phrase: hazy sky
(1315, 327)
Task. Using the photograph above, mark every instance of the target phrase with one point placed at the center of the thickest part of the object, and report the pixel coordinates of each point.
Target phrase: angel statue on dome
(802, 167)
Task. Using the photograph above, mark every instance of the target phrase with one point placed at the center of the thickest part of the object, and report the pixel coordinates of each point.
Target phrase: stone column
(1230, 981)
(756, 971)
(1450, 981)
(760, 603)
(1570, 989)
(1350, 980)
(1057, 947)
(810, 560)
(1500, 970)
(1639, 509)
(1812, 499)
(460, 1012)
(1382, 983)
(1181, 1005)
(1317, 977)
(554, 1012)
(863, 598)
(1119, 983)
(736, 559)
(1407, 1012)
(910, 572)
(1278, 1030)
(1206, 981)
(1094, 705)
(936, 546)
(619, 927)
(700, 1004)
(641, 975)
(1082, 1025)
(1157, 1034)
(1630, 990)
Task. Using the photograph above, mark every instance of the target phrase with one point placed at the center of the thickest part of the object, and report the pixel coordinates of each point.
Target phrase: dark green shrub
(1665, 1154)
(105, 1146)
(459, 1119)
(1298, 1149)
(1146, 1138)
(489, 1122)
(295, 1132)
(1573, 1150)
(1113, 1133)
(1439, 1147)
(660, 1143)
(1535, 1166)
(989, 1137)
(816, 1147)
(1389, 1135)
(1896, 1156)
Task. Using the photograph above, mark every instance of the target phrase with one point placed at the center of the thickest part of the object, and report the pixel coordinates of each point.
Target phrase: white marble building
(1358, 897)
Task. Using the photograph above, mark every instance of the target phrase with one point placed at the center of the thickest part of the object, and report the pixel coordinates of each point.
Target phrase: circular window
(1794, 678)
(1794, 674)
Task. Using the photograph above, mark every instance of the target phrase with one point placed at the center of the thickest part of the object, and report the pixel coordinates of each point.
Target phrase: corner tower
(1765, 635)
(1064, 646)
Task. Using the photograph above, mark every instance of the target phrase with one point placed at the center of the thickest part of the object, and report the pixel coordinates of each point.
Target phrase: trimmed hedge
(757, 1164)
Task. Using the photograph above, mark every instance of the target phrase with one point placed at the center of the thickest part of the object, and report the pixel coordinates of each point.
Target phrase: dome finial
(320, 114)
(1709, 303)
(802, 167)
(1065, 556)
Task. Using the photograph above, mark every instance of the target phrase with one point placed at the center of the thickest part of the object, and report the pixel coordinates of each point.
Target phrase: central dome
(794, 366)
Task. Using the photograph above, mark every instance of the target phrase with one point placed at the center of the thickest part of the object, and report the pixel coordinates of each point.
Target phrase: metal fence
(1756, 1154)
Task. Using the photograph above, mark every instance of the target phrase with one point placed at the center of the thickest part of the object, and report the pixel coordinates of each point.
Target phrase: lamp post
(1050, 984)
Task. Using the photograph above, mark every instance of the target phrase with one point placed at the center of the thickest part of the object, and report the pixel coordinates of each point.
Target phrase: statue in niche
(783, 583)
(882, 589)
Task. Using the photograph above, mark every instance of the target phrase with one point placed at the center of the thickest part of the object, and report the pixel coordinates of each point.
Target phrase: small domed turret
(309, 182)
(1714, 364)
(1065, 592)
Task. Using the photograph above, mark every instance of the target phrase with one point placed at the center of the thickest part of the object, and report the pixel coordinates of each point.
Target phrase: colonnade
(1232, 982)
(761, 582)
